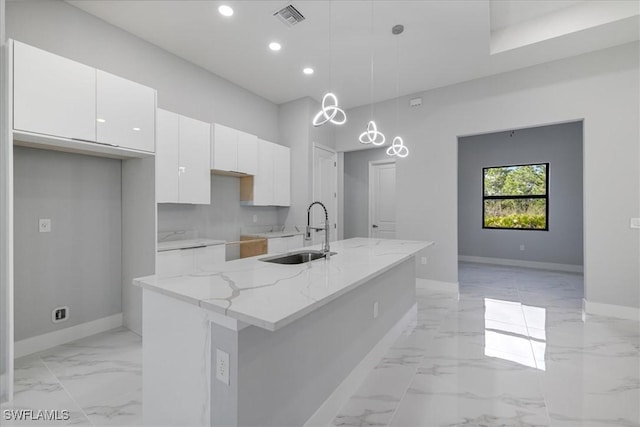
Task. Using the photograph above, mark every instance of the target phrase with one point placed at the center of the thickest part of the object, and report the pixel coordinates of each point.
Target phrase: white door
(247, 153)
(224, 155)
(325, 187)
(263, 181)
(382, 200)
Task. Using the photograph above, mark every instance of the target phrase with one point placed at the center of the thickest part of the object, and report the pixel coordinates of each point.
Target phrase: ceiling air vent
(289, 15)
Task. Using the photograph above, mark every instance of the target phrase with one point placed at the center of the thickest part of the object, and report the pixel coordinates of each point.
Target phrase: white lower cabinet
(277, 245)
(182, 159)
(183, 261)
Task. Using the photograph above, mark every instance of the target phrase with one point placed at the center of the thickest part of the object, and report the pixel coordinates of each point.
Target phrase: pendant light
(371, 135)
(397, 147)
(330, 111)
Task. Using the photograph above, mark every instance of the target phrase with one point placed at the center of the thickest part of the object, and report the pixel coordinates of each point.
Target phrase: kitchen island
(254, 343)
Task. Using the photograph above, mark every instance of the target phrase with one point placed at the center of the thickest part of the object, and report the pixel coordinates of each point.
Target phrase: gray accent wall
(78, 264)
(560, 146)
(356, 190)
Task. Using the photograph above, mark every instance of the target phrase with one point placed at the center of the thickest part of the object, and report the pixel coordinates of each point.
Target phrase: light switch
(635, 222)
(44, 225)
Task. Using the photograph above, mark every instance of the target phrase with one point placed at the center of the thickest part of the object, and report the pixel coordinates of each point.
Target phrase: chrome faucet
(327, 230)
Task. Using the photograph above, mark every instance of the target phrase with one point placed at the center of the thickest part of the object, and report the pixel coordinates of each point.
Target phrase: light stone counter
(272, 295)
(296, 331)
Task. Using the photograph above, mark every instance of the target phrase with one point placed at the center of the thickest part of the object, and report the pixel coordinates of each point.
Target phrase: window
(516, 197)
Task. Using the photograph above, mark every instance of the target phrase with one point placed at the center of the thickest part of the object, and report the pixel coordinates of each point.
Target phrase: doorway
(382, 199)
(325, 190)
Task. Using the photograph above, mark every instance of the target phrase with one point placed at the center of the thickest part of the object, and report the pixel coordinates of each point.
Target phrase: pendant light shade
(330, 112)
(371, 135)
(398, 148)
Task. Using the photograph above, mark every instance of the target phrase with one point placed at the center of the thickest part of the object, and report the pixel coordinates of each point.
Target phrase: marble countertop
(171, 245)
(274, 234)
(272, 295)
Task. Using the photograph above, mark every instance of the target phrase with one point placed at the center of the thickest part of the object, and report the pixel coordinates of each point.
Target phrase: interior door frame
(372, 166)
(333, 216)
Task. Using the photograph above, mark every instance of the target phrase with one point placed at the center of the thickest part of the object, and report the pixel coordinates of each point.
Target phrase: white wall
(298, 133)
(600, 87)
(560, 146)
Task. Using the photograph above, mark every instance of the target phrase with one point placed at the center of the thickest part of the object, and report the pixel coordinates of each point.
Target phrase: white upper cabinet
(53, 95)
(194, 169)
(125, 113)
(182, 159)
(224, 155)
(167, 156)
(62, 104)
(247, 153)
(263, 180)
(233, 150)
(272, 181)
(281, 175)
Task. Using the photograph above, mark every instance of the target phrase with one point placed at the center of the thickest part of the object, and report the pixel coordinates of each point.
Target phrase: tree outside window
(516, 197)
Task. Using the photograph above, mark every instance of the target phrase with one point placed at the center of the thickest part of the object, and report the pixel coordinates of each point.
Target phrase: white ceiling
(445, 41)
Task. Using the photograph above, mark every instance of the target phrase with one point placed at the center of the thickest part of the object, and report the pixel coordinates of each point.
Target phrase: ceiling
(444, 42)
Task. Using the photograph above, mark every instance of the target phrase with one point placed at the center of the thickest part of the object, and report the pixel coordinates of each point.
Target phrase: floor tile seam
(406, 390)
(73, 399)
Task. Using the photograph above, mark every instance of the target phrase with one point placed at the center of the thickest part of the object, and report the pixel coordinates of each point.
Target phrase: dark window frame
(516, 197)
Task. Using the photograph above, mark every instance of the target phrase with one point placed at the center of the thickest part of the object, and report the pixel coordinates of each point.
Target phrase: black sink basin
(297, 257)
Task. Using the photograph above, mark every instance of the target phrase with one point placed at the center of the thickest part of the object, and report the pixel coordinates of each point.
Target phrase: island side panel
(284, 376)
(176, 351)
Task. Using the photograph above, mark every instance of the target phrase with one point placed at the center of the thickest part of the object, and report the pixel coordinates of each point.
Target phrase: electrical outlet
(635, 223)
(522, 247)
(222, 366)
(375, 310)
(59, 314)
(44, 225)
(255, 218)
(423, 260)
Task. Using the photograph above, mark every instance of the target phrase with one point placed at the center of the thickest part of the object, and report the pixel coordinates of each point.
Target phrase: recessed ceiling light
(225, 10)
(308, 70)
(275, 46)
(136, 129)
(100, 120)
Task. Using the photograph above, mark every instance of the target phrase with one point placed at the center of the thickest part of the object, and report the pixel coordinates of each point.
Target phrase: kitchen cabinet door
(277, 245)
(247, 153)
(167, 156)
(125, 113)
(224, 154)
(209, 256)
(263, 180)
(194, 170)
(281, 175)
(174, 263)
(53, 95)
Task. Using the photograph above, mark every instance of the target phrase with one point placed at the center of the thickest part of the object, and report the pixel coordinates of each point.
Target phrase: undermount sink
(297, 257)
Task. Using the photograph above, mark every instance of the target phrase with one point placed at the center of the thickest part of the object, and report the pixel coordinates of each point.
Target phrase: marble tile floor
(511, 350)
(98, 380)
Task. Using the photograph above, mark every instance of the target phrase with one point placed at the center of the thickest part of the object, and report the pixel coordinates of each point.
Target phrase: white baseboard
(63, 336)
(329, 409)
(611, 310)
(521, 263)
(437, 285)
